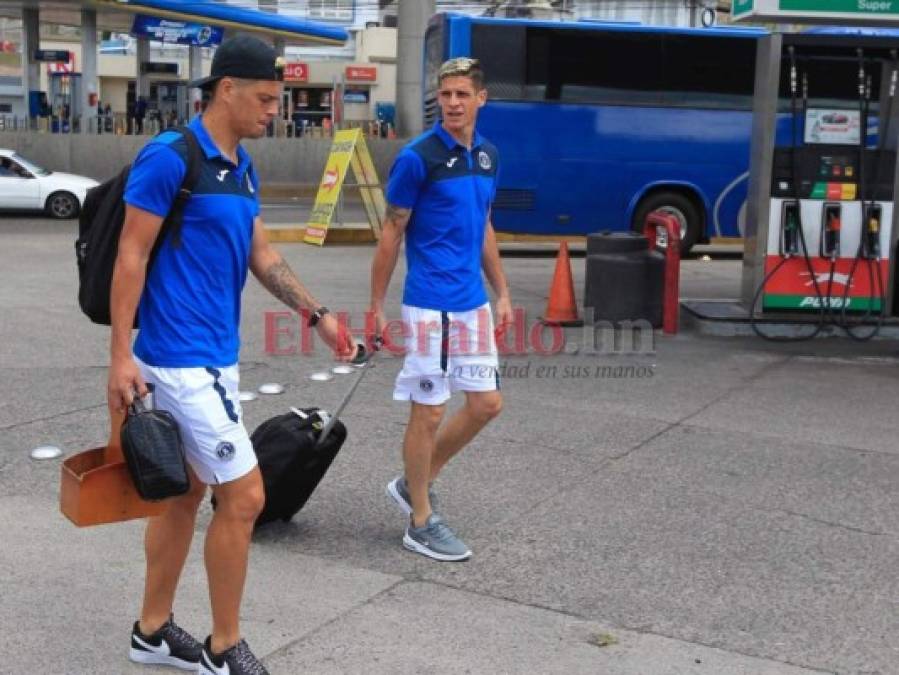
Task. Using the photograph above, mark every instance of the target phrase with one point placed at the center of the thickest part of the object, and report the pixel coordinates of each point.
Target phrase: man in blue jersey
(188, 304)
(440, 190)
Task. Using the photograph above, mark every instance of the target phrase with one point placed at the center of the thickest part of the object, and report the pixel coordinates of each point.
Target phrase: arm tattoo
(281, 282)
(396, 214)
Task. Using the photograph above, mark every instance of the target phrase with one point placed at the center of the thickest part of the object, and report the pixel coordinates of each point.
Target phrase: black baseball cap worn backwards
(246, 57)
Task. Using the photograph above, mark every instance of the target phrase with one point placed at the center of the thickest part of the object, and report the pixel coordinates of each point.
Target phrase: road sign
(52, 55)
(176, 32)
(62, 68)
(741, 8)
(848, 12)
(361, 73)
(296, 72)
(349, 151)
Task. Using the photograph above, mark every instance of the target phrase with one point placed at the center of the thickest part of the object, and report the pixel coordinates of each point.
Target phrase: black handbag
(154, 453)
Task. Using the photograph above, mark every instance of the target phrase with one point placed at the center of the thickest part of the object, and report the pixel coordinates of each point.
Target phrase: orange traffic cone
(561, 308)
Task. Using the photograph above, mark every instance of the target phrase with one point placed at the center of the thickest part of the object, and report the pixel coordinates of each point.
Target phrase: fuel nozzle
(872, 232)
(832, 227)
(790, 229)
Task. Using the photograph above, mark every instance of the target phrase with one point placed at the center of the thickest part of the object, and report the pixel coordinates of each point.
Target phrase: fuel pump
(869, 248)
(792, 246)
(829, 227)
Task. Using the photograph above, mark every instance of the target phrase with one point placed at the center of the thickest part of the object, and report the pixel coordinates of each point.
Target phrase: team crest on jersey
(484, 160)
(224, 451)
(426, 385)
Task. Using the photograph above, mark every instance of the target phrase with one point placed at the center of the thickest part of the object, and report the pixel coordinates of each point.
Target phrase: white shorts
(447, 352)
(205, 403)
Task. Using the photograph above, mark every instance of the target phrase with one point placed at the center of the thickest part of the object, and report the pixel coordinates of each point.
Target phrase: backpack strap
(191, 176)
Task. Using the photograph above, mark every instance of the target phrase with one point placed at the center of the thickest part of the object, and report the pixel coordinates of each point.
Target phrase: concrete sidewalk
(710, 506)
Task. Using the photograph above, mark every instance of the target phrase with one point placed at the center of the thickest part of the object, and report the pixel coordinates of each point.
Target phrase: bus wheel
(677, 205)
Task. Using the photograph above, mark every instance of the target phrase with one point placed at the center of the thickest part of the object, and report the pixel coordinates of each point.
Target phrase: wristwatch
(317, 315)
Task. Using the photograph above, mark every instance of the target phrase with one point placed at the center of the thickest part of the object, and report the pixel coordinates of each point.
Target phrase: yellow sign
(348, 150)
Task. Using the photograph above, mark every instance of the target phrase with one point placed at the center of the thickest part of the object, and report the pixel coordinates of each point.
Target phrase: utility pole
(412, 17)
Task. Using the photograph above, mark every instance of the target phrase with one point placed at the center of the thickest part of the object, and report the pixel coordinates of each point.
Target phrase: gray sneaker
(435, 540)
(398, 491)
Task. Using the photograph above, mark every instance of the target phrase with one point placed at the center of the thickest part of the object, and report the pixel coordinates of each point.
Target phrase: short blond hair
(463, 66)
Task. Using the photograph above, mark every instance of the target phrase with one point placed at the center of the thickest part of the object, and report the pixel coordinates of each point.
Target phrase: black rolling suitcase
(296, 449)
(292, 460)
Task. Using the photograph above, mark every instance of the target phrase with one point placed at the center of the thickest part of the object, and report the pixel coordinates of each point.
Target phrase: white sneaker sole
(394, 494)
(151, 659)
(203, 669)
(415, 547)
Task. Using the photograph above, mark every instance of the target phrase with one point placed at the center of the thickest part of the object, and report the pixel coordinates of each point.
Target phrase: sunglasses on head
(460, 66)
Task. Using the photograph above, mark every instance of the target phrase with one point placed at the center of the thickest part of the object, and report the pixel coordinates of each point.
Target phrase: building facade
(355, 82)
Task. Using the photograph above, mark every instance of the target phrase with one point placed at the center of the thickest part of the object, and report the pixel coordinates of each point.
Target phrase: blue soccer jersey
(450, 190)
(189, 312)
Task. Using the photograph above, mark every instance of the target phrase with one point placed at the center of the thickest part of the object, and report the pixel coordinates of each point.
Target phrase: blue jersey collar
(211, 150)
(451, 142)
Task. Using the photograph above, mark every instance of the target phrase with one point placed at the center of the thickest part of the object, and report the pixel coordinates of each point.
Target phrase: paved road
(297, 212)
(708, 506)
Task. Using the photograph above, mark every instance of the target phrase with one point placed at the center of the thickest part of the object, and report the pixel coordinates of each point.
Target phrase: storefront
(168, 100)
(317, 93)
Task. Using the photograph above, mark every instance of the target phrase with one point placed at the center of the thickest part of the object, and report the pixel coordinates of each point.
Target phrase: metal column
(89, 81)
(194, 72)
(31, 73)
(891, 142)
(761, 153)
(142, 86)
(413, 16)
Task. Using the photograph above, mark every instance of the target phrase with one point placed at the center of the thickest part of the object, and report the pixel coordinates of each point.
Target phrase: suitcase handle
(363, 356)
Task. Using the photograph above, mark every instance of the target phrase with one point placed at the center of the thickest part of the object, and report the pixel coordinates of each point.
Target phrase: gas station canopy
(844, 12)
(229, 16)
(117, 15)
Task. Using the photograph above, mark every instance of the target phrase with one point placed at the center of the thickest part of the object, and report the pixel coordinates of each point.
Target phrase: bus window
(589, 66)
(433, 59)
(501, 50)
(709, 72)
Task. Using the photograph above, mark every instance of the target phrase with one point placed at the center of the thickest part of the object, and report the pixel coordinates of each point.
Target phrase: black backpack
(100, 226)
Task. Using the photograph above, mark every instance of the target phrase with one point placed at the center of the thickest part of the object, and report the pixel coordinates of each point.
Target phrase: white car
(25, 185)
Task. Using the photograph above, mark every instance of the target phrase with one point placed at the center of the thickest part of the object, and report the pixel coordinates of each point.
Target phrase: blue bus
(598, 124)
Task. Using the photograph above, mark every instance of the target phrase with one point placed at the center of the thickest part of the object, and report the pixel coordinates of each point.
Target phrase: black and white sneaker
(171, 645)
(238, 660)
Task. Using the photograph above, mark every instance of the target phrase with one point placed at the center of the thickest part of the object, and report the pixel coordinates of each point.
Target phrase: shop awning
(238, 18)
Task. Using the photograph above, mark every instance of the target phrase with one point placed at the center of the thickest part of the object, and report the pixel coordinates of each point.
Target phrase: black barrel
(616, 242)
(624, 279)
